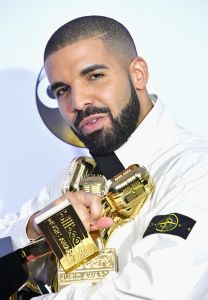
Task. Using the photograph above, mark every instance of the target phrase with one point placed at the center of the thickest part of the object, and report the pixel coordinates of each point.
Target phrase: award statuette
(98, 267)
(67, 236)
(122, 198)
(126, 194)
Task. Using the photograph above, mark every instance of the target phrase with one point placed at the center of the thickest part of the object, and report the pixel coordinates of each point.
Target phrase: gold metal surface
(67, 236)
(79, 258)
(92, 271)
(122, 198)
(13, 296)
(93, 184)
(32, 286)
(79, 168)
(127, 193)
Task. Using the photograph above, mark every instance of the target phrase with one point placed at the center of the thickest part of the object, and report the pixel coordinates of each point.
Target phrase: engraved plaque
(92, 271)
(67, 236)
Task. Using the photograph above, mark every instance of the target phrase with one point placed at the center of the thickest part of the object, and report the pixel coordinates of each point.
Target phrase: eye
(61, 91)
(96, 76)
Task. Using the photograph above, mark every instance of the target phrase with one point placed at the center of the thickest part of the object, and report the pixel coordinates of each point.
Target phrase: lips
(91, 123)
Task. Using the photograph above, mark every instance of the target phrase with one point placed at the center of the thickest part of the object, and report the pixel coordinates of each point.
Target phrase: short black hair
(112, 33)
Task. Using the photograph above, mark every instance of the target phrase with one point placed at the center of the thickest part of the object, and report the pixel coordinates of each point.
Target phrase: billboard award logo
(49, 112)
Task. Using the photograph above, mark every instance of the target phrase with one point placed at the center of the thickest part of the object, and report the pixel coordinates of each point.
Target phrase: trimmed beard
(105, 141)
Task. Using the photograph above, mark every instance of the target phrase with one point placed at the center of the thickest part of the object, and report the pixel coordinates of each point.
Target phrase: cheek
(116, 97)
(66, 112)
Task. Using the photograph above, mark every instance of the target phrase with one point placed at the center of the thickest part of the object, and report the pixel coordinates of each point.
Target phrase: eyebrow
(92, 68)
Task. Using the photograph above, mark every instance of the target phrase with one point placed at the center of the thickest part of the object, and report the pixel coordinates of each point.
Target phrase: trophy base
(92, 271)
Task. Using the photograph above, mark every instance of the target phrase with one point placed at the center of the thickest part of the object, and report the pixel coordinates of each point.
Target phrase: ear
(138, 71)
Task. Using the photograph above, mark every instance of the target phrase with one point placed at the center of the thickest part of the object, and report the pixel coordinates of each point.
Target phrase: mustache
(90, 110)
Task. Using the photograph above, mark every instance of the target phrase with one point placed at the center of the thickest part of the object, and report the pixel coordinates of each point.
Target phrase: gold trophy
(66, 235)
(97, 268)
(126, 194)
(122, 198)
(79, 257)
(62, 227)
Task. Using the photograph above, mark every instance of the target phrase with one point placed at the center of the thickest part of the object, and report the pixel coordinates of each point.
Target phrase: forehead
(79, 55)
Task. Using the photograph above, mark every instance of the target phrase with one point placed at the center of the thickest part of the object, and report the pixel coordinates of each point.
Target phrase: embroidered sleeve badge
(174, 223)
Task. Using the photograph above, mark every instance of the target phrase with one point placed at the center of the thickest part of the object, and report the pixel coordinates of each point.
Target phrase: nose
(80, 98)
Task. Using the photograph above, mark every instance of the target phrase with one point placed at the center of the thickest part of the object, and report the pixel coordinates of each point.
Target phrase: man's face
(94, 93)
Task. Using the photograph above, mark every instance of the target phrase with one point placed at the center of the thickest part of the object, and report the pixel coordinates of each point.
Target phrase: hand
(88, 207)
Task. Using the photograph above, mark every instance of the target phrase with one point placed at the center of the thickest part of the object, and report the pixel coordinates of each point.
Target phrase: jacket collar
(151, 135)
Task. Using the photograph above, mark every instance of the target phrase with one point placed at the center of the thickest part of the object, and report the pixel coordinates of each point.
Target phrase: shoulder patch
(174, 223)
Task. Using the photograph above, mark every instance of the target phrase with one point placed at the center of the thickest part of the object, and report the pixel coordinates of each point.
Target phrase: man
(100, 85)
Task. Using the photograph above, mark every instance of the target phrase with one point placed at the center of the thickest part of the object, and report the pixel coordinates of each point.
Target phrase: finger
(103, 222)
(90, 201)
(77, 200)
(93, 202)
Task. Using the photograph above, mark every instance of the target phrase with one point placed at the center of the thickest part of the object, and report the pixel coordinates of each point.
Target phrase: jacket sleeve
(167, 270)
(14, 224)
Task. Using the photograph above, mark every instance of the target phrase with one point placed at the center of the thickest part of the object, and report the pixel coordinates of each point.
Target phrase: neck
(145, 105)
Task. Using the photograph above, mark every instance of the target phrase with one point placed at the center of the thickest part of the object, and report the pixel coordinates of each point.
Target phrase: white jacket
(163, 265)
